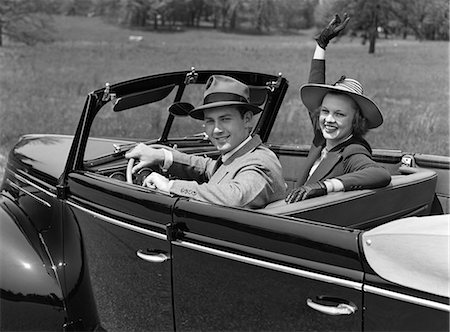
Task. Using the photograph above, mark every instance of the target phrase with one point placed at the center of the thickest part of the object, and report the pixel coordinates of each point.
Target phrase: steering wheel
(140, 175)
(129, 168)
(131, 161)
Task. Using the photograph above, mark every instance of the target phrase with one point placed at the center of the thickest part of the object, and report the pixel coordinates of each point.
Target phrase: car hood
(42, 154)
(45, 156)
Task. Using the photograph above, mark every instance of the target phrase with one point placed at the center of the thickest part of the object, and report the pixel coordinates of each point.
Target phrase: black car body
(82, 249)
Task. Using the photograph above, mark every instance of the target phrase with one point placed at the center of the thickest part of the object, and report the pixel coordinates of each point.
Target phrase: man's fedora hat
(222, 91)
(312, 96)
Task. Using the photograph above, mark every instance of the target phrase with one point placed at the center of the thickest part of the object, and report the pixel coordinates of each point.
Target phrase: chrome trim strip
(22, 179)
(271, 266)
(119, 223)
(54, 267)
(40, 200)
(406, 298)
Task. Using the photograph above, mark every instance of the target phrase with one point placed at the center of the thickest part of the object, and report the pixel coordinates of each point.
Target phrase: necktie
(217, 165)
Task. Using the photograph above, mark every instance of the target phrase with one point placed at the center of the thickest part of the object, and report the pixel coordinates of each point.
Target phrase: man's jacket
(251, 177)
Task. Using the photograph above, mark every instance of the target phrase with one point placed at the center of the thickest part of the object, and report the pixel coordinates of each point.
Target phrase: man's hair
(242, 110)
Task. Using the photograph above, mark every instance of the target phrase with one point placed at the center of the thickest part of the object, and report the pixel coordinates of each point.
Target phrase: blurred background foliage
(30, 21)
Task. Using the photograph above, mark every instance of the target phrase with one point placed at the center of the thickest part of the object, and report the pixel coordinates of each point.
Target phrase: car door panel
(387, 314)
(121, 230)
(234, 269)
(391, 307)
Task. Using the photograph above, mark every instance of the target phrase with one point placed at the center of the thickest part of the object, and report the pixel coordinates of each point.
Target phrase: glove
(332, 30)
(306, 191)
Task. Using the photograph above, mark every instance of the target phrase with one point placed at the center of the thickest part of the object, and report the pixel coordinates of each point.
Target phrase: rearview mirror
(180, 108)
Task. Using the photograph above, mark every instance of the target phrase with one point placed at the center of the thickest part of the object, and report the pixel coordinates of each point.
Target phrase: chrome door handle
(334, 310)
(152, 256)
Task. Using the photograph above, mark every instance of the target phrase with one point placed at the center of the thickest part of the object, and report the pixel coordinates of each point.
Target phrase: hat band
(349, 85)
(223, 96)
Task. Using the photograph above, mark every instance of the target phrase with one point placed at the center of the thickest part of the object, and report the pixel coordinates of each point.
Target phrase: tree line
(24, 20)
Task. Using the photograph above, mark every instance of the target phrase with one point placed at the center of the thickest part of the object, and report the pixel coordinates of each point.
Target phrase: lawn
(43, 88)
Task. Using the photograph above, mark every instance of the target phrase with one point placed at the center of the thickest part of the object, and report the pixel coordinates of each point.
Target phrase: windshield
(144, 123)
(138, 111)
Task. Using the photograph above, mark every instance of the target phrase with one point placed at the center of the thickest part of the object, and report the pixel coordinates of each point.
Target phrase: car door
(390, 307)
(237, 269)
(123, 239)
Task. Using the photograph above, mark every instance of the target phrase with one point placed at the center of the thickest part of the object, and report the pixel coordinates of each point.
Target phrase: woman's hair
(360, 126)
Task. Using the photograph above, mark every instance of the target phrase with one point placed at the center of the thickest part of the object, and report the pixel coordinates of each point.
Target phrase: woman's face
(336, 118)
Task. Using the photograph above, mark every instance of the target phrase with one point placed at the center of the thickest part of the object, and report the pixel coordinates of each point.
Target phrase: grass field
(43, 88)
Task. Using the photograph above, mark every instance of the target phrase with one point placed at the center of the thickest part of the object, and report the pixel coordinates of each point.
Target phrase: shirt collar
(345, 140)
(227, 155)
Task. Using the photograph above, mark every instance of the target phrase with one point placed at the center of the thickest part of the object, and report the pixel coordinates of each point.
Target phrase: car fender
(31, 295)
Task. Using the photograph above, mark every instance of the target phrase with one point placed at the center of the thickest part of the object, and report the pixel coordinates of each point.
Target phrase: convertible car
(84, 246)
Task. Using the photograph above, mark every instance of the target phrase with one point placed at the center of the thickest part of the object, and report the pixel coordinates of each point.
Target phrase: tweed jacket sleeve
(251, 179)
(192, 167)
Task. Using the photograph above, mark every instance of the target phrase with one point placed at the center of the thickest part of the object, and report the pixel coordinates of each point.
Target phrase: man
(247, 174)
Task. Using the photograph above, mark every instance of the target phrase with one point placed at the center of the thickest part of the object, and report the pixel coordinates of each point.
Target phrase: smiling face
(336, 118)
(227, 127)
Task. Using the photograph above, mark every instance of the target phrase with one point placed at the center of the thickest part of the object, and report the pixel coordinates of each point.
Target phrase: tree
(158, 10)
(195, 9)
(366, 16)
(76, 7)
(107, 8)
(426, 19)
(134, 13)
(295, 14)
(266, 15)
(26, 21)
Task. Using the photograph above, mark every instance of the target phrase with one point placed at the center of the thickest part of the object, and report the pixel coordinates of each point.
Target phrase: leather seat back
(408, 194)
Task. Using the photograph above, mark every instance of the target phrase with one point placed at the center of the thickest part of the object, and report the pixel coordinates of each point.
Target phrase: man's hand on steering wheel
(147, 155)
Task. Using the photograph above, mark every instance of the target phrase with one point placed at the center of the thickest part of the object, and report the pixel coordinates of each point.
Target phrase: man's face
(226, 127)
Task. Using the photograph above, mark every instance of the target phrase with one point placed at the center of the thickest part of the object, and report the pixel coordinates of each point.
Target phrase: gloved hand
(332, 30)
(306, 191)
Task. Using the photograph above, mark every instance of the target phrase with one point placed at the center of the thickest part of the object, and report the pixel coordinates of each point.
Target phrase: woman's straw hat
(312, 96)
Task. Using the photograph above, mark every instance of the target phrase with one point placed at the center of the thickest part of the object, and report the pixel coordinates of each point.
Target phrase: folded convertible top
(413, 252)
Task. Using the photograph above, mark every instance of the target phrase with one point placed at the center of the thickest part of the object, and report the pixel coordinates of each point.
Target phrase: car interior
(410, 193)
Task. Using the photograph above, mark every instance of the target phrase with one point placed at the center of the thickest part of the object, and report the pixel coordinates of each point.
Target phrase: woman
(340, 159)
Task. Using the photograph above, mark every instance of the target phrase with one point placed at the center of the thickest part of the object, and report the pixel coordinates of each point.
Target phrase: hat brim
(312, 96)
(198, 112)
